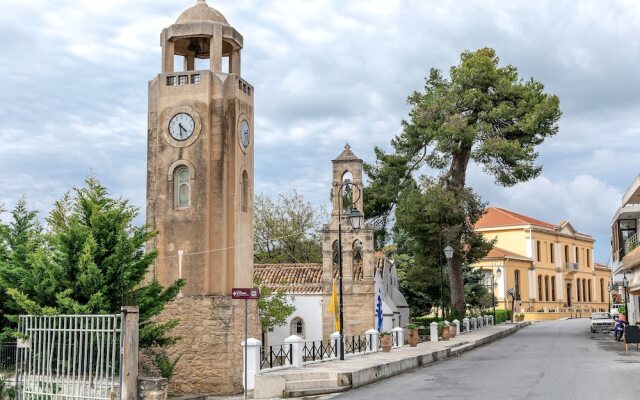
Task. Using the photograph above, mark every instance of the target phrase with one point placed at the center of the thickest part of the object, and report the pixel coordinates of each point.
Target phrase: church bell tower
(200, 194)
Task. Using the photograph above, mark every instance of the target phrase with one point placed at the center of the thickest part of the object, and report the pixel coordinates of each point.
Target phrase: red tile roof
(292, 278)
(496, 217)
(601, 266)
(497, 252)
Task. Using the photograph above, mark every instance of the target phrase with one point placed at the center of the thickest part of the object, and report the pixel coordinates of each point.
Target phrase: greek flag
(379, 311)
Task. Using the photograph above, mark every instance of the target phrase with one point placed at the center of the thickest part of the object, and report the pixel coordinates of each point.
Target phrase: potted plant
(443, 330)
(452, 330)
(414, 338)
(386, 342)
(521, 317)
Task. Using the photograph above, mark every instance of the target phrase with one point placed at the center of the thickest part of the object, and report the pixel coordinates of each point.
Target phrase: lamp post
(355, 217)
(448, 253)
(625, 285)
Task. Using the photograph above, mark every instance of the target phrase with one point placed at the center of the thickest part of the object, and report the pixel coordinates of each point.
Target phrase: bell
(199, 46)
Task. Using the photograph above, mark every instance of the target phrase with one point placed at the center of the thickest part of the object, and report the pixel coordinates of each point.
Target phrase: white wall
(309, 308)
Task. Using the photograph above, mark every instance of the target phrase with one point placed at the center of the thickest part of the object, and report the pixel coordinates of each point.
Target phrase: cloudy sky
(326, 72)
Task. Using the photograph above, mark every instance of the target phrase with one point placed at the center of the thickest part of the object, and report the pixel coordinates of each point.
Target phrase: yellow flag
(333, 306)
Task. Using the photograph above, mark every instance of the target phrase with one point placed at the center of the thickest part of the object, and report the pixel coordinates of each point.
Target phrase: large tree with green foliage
(482, 113)
(287, 230)
(274, 307)
(93, 262)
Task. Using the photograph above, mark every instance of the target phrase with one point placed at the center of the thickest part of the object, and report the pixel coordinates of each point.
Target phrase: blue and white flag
(379, 311)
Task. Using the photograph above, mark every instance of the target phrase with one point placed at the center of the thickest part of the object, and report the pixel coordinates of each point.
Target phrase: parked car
(614, 310)
(601, 322)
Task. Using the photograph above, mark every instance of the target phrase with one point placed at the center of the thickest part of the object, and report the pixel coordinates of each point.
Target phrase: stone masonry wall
(212, 330)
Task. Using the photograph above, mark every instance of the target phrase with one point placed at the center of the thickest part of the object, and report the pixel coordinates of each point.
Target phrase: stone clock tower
(200, 195)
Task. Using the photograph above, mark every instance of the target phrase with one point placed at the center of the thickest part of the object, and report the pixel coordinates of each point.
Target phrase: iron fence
(69, 357)
(356, 344)
(276, 356)
(319, 350)
(7, 356)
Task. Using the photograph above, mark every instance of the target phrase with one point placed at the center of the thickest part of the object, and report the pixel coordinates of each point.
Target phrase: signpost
(245, 294)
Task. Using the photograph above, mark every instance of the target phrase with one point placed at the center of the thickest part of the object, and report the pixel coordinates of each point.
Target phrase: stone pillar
(486, 320)
(296, 350)
(474, 323)
(479, 322)
(433, 331)
(215, 49)
(130, 335)
(457, 324)
(398, 334)
(372, 337)
(252, 348)
(465, 322)
(335, 339)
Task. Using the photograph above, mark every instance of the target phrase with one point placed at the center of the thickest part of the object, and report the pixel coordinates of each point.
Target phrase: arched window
(577, 255)
(588, 258)
(602, 290)
(589, 290)
(551, 253)
(538, 255)
(553, 288)
(566, 253)
(546, 288)
(357, 261)
(540, 287)
(245, 191)
(347, 191)
(297, 327)
(578, 289)
(182, 186)
(336, 259)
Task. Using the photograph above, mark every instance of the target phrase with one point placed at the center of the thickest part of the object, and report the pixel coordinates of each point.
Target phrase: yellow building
(549, 267)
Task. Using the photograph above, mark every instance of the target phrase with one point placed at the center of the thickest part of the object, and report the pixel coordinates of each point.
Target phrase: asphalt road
(548, 360)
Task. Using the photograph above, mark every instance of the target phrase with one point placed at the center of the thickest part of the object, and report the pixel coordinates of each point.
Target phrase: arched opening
(578, 290)
(538, 255)
(577, 255)
(551, 251)
(245, 191)
(566, 253)
(182, 187)
(357, 261)
(297, 327)
(347, 191)
(588, 291)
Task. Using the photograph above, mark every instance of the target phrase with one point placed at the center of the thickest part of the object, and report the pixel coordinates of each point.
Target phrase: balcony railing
(631, 243)
(571, 267)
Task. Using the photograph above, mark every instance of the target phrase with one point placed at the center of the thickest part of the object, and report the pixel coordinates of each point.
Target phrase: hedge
(502, 316)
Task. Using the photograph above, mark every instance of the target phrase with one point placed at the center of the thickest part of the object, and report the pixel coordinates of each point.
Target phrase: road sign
(245, 293)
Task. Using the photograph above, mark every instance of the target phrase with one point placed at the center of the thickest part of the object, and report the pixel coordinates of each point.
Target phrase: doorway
(568, 295)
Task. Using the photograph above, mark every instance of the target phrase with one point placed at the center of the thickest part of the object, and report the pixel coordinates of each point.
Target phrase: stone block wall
(212, 330)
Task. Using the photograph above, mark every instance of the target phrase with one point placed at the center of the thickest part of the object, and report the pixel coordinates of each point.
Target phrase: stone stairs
(301, 384)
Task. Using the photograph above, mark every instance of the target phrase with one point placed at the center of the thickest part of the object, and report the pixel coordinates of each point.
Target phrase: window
(245, 191)
(540, 287)
(584, 290)
(546, 288)
(589, 290)
(553, 288)
(577, 255)
(538, 251)
(516, 283)
(627, 229)
(588, 258)
(357, 261)
(551, 253)
(602, 290)
(578, 289)
(182, 186)
(297, 327)
(566, 253)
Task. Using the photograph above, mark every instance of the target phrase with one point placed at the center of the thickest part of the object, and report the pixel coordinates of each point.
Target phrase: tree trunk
(456, 283)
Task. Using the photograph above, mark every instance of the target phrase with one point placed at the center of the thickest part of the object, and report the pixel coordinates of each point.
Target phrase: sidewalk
(338, 376)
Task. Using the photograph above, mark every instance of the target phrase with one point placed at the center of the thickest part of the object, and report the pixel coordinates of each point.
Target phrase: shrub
(411, 326)
(502, 316)
(426, 321)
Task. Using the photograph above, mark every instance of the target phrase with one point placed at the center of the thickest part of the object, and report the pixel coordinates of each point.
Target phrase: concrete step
(306, 376)
(315, 392)
(310, 384)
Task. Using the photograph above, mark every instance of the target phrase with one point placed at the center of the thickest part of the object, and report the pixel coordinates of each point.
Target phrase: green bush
(426, 321)
(502, 316)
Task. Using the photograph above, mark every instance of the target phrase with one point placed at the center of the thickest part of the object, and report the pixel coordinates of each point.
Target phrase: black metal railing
(355, 344)
(8, 353)
(276, 356)
(319, 350)
(395, 336)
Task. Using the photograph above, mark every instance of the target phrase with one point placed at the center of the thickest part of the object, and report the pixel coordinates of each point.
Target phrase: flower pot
(445, 333)
(452, 331)
(414, 338)
(385, 343)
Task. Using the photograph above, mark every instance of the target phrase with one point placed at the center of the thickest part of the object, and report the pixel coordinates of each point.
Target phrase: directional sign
(245, 293)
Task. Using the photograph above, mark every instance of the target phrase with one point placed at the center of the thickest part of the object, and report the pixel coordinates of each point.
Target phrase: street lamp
(448, 253)
(625, 285)
(355, 218)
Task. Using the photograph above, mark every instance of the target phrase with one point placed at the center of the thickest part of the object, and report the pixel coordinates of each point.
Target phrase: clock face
(245, 133)
(181, 126)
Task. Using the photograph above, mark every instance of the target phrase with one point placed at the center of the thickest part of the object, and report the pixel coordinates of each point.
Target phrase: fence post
(372, 335)
(252, 347)
(129, 357)
(335, 338)
(474, 321)
(486, 320)
(433, 331)
(296, 350)
(465, 322)
(399, 333)
(457, 324)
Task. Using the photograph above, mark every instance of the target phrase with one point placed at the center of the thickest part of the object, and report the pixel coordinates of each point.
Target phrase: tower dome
(201, 12)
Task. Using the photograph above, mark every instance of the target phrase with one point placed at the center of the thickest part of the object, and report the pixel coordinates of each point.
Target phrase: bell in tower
(200, 195)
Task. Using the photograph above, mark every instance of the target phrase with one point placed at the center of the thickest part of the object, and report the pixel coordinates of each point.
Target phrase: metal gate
(69, 357)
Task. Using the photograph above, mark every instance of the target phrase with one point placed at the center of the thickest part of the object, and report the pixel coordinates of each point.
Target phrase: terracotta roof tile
(293, 278)
(601, 266)
(495, 217)
(497, 252)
